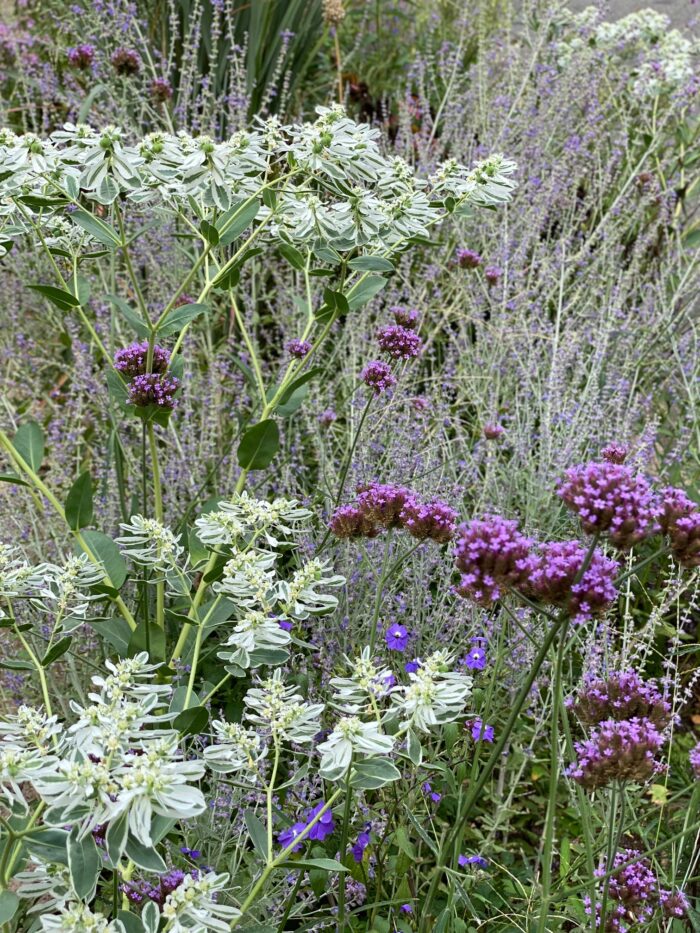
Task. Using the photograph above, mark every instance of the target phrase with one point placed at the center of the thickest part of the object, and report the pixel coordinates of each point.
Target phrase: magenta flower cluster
(126, 61)
(467, 258)
(557, 579)
(634, 895)
(609, 498)
(492, 556)
(400, 343)
(622, 695)
(405, 317)
(378, 376)
(298, 348)
(131, 361)
(81, 56)
(384, 505)
(679, 518)
(147, 388)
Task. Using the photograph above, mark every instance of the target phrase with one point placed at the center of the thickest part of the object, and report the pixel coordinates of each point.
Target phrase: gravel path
(681, 12)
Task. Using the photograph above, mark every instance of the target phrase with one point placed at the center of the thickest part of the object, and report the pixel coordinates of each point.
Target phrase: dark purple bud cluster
(81, 56)
(614, 453)
(132, 360)
(161, 90)
(126, 61)
(679, 518)
(622, 695)
(378, 376)
(298, 348)
(405, 317)
(384, 505)
(467, 258)
(618, 751)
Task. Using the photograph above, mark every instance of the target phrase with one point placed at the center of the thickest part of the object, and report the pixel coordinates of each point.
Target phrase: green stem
(380, 590)
(610, 853)
(343, 847)
(158, 504)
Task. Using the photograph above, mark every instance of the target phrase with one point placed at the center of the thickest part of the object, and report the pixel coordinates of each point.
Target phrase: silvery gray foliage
(322, 184)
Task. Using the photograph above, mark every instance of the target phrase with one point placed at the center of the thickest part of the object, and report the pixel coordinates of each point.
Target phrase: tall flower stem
(380, 591)
(547, 851)
(613, 836)
(343, 847)
(158, 506)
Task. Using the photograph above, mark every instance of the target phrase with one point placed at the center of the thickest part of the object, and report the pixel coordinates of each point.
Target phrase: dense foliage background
(550, 327)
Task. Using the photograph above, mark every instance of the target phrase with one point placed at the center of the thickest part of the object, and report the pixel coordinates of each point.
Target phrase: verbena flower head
(493, 431)
(615, 453)
(632, 893)
(679, 517)
(674, 904)
(383, 503)
(558, 566)
(493, 556)
(467, 258)
(378, 376)
(610, 499)
(352, 521)
(621, 695)
(401, 343)
(298, 348)
(131, 360)
(81, 56)
(126, 61)
(618, 751)
(493, 274)
(405, 317)
(153, 389)
(161, 90)
(435, 520)
(327, 417)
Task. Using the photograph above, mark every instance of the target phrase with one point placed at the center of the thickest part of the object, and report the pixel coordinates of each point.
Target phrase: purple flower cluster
(633, 895)
(614, 453)
(467, 258)
(131, 361)
(618, 751)
(126, 61)
(405, 317)
(492, 555)
(385, 505)
(679, 518)
(609, 498)
(622, 695)
(694, 758)
(140, 891)
(161, 90)
(401, 343)
(318, 833)
(378, 376)
(153, 389)
(555, 579)
(493, 431)
(493, 274)
(81, 56)
(298, 348)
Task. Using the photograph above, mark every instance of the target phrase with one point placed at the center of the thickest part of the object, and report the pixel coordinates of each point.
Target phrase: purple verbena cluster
(492, 555)
(298, 349)
(405, 317)
(81, 56)
(621, 695)
(139, 891)
(400, 343)
(618, 751)
(610, 499)
(378, 376)
(614, 453)
(634, 895)
(161, 90)
(679, 518)
(467, 258)
(558, 578)
(385, 505)
(492, 431)
(125, 61)
(131, 361)
(153, 389)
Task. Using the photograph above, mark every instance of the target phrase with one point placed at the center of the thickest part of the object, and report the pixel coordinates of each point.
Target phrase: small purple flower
(412, 666)
(358, 849)
(396, 637)
(285, 624)
(325, 826)
(298, 348)
(406, 909)
(694, 758)
(493, 274)
(81, 56)
(378, 376)
(464, 860)
(467, 258)
(475, 659)
(493, 431)
(614, 453)
(153, 389)
(400, 343)
(481, 732)
(287, 836)
(327, 417)
(433, 794)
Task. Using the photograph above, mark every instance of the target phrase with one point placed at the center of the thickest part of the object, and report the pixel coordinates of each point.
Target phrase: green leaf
(132, 317)
(147, 636)
(293, 403)
(231, 224)
(210, 233)
(29, 444)
(365, 291)
(55, 652)
(371, 264)
(115, 632)
(84, 864)
(13, 479)
(115, 840)
(413, 748)
(9, 902)
(373, 773)
(322, 864)
(49, 845)
(12, 665)
(78, 508)
(259, 445)
(336, 300)
(130, 922)
(191, 721)
(257, 832)
(63, 300)
(404, 843)
(97, 228)
(144, 857)
(104, 548)
(292, 255)
(179, 317)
